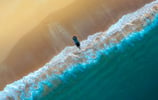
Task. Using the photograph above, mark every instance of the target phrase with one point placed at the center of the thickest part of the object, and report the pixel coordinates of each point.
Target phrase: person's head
(74, 37)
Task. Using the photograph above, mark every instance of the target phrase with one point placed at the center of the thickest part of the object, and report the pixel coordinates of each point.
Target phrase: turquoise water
(130, 73)
(100, 71)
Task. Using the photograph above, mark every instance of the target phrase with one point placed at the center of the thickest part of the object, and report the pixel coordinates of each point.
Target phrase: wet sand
(82, 17)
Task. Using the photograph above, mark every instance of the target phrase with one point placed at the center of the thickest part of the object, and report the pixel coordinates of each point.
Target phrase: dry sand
(82, 17)
(18, 17)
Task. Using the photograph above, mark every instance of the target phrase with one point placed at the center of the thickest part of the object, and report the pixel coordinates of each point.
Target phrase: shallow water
(129, 73)
(126, 70)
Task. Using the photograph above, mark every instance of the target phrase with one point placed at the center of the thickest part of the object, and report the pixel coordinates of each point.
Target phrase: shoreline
(54, 33)
(149, 12)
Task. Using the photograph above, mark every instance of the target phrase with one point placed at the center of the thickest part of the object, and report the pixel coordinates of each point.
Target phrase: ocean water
(130, 73)
(104, 69)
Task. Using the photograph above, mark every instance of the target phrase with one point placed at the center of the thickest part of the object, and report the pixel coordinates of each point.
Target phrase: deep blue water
(130, 73)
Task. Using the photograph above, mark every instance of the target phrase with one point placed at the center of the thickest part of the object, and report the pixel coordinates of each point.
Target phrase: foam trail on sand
(56, 71)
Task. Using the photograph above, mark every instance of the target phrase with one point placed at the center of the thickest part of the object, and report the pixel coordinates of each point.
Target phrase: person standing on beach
(76, 41)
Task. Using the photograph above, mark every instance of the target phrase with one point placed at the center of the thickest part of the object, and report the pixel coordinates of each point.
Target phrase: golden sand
(29, 39)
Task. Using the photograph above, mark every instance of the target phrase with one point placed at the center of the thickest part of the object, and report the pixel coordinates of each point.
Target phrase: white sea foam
(55, 71)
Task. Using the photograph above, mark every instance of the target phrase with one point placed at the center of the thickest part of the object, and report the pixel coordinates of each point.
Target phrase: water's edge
(130, 26)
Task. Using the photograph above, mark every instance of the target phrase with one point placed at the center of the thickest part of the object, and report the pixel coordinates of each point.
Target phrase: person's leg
(78, 45)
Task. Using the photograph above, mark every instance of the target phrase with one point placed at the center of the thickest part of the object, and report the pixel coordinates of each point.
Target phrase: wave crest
(70, 59)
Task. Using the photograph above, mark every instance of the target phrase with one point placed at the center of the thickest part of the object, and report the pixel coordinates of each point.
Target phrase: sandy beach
(49, 34)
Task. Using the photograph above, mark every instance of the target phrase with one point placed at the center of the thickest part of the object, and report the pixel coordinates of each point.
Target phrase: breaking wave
(58, 69)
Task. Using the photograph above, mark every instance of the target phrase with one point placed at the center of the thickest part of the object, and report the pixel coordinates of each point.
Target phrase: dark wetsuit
(77, 43)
